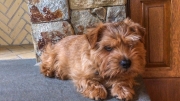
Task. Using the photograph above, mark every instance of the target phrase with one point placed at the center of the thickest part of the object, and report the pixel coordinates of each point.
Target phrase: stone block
(81, 20)
(49, 32)
(83, 4)
(100, 13)
(116, 13)
(48, 10)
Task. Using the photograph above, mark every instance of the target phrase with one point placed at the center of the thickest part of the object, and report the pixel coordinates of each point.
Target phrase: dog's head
(118, 49)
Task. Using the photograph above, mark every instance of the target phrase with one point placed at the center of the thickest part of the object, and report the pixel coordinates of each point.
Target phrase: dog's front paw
(95, 91)
(124, 93)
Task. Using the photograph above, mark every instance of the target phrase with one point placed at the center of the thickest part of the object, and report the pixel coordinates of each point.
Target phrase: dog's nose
(125, 63)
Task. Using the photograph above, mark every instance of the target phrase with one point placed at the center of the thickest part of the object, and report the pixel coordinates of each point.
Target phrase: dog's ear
(134, 31)
(95, 35)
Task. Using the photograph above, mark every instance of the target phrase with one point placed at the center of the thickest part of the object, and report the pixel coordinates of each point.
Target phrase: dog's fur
(92, 60)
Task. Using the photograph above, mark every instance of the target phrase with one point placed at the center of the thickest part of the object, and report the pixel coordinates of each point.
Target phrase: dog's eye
(108, 48)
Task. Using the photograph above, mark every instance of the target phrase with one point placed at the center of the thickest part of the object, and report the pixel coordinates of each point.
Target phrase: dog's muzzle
(125, 63)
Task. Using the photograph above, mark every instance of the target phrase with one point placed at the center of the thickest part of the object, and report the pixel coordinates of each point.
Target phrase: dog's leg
(61, 71)
(47, 62)
(123, 90)
(54, 67)
(91, 89)
(46, 69)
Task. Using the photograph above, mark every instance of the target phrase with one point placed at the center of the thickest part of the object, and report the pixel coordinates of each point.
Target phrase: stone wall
(53, 20)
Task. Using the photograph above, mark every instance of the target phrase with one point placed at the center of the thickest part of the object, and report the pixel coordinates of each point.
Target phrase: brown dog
(107, 58)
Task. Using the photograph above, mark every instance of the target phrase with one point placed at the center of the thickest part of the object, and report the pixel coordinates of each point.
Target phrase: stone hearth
(53, 20)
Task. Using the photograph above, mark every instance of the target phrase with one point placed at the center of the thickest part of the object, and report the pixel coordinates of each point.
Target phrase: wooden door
(161, 18)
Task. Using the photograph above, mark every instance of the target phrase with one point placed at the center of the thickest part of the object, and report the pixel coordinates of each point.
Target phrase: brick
(53, 10)
(2, 42)
(26, 17)
(3, 8)
(6, 37)
(25, 42)
(18, 28)
(29, 38)
(26, 1)
(28, 28)
(20, 37)
(8, 3)
(4, 18)
(83, 4)
(16, 18)
(24, 6)
(11, 12)
(5, 28)
(2, 1)
(13, 8)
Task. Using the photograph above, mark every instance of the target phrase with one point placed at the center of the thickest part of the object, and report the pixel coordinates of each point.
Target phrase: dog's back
(69, 55)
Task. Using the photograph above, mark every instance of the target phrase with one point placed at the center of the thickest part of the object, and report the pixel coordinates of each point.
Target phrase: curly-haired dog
(105, 59)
